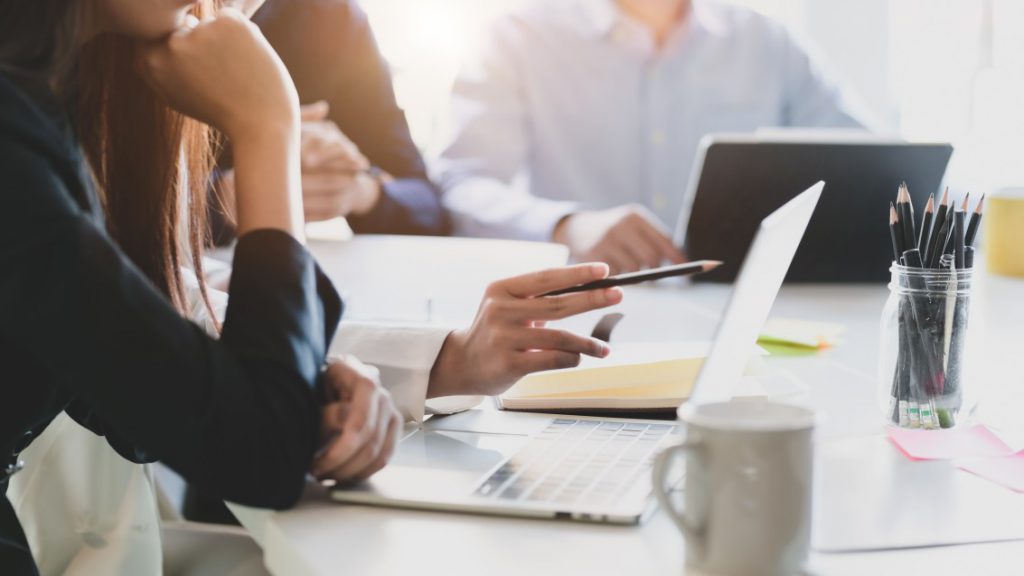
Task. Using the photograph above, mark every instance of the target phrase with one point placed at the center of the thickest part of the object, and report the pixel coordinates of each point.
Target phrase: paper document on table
(973, 442)
(635, 376)
(1006, 471)
(872, 497)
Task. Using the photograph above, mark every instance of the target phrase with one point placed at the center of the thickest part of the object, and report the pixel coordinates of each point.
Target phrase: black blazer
(82, 330)
(331, 54)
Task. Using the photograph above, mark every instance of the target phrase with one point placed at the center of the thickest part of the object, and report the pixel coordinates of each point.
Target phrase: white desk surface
(320, 537)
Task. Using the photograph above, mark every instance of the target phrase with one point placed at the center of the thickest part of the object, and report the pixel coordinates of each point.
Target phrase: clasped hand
(335, 179)
(360, 425)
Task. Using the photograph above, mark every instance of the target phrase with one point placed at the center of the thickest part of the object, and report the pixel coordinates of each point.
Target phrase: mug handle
(690, 530)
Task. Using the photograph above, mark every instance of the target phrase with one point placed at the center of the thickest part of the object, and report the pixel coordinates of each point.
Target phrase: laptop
(580, 468)
(738, 179)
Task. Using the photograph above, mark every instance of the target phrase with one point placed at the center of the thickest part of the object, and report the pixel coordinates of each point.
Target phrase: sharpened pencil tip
(893, 216)
(945, 197)
(711, 265)
(963, 205)
(930, 206)
(905, 195)
(981, 204)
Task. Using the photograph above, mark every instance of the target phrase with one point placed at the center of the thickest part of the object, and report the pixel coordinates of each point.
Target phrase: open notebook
(635, 377)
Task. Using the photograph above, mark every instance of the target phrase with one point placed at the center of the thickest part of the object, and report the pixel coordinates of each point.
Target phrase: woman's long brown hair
(145, 157)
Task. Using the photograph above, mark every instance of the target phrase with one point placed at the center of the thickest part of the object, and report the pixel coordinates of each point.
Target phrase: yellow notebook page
(665, 379)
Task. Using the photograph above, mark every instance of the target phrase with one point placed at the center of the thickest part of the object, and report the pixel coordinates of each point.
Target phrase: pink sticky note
(974, 442)
(1007, 471)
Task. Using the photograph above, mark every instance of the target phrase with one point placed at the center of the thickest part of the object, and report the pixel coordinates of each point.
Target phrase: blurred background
(948, 70)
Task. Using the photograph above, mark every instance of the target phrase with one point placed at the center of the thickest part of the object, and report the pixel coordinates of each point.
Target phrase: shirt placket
(656, 138)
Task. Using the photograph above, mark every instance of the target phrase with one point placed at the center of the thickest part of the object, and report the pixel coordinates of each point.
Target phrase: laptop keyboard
(586, 462)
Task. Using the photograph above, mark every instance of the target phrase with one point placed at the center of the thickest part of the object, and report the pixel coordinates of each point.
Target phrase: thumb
(315, 112)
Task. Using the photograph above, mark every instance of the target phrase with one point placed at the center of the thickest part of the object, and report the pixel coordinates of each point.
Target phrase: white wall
(837, 25)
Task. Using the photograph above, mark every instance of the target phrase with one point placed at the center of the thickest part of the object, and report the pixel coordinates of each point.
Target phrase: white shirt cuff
(405, 356)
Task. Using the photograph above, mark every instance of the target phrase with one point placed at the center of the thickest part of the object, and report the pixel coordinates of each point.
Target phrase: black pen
(698, 267)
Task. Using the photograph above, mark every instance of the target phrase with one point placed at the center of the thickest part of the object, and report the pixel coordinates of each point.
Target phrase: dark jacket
(331, 54)
(82, 330)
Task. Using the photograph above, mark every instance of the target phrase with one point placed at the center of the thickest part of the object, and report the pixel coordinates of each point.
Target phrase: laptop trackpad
(441, 465)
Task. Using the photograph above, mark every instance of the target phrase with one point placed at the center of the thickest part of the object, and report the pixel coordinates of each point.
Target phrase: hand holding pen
(690, 268)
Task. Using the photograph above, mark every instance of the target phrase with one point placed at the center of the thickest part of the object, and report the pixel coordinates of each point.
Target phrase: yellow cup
(1004, 232)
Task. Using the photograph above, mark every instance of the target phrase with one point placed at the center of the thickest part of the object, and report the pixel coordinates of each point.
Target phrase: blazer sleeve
(236, 416)
(363, 105)
(330, 50)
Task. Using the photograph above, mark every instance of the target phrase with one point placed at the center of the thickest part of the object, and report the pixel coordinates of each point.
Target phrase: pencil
(698, 267)
(958, 239)
(912, 258)
(935, 253)
(937, 223)
(906, 208)
(950, 246)
(894, 232)
(972, 227)
(926, 224)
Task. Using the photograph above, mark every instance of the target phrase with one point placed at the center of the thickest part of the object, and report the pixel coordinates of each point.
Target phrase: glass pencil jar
(921, 364)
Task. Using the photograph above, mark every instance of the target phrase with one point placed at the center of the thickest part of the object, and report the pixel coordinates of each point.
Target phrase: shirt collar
(602, 16)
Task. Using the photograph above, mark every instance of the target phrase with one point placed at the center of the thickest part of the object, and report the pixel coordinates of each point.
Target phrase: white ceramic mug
(748, 489)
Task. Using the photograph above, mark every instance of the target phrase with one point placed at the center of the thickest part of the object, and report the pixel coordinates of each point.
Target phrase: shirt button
(658, 137)
(660, 202)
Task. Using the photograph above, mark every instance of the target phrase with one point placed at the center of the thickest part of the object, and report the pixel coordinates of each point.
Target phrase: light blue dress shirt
(573, 106)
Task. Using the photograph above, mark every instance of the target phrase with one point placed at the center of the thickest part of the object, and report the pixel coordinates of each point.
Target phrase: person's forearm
(488, 207)
(268, 179)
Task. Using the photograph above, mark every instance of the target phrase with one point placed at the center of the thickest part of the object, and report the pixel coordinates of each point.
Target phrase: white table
(320, 537)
